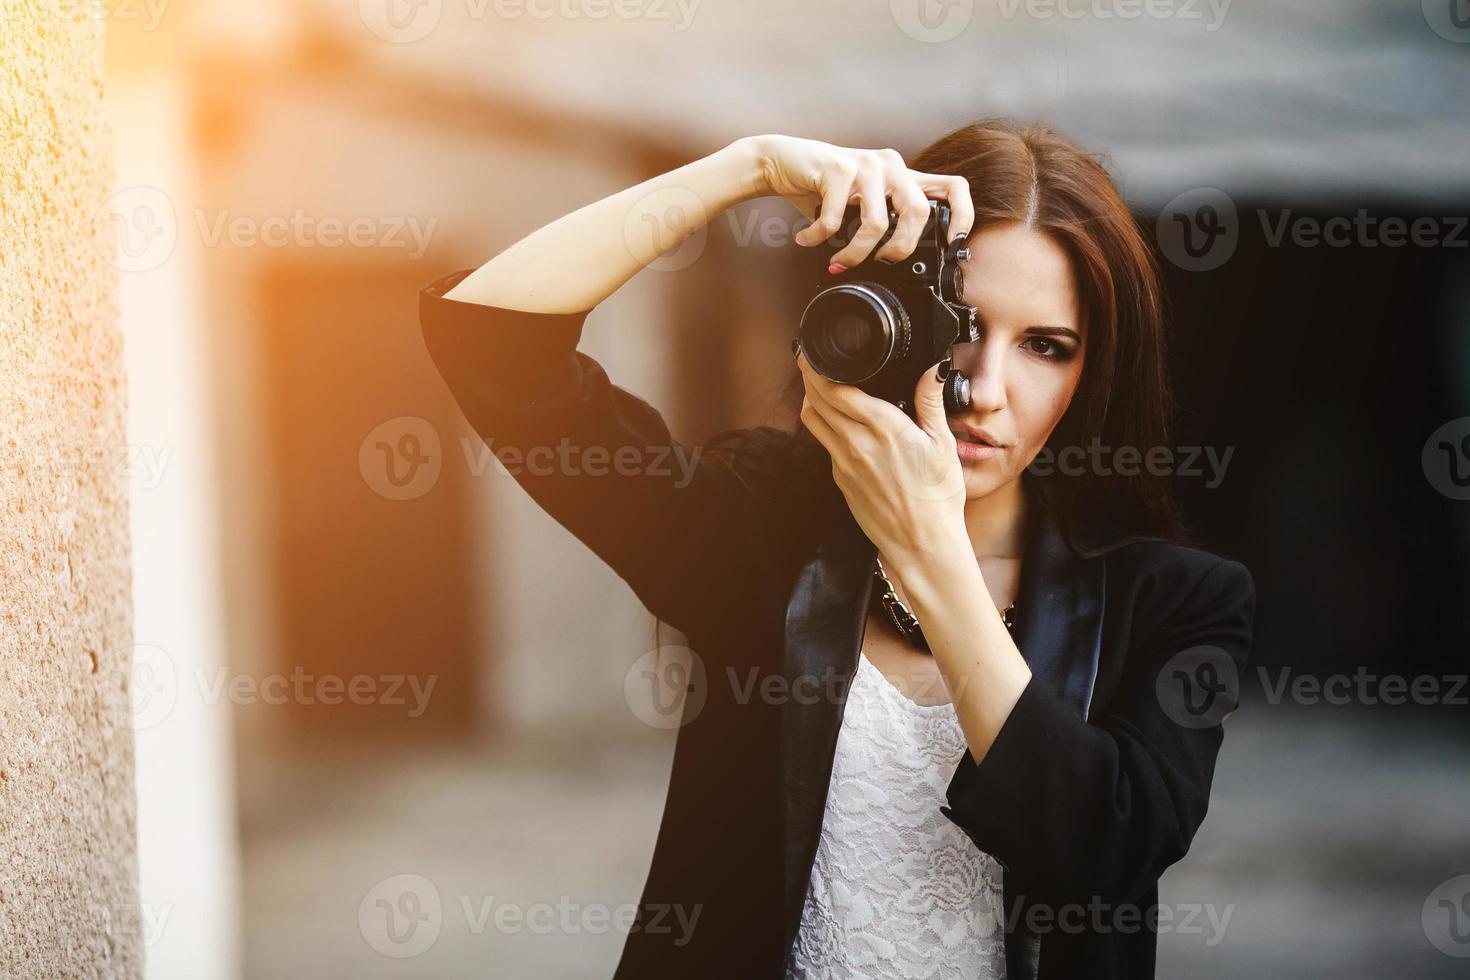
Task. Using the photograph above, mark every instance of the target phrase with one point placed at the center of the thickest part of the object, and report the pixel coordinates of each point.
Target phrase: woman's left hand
(903, 481)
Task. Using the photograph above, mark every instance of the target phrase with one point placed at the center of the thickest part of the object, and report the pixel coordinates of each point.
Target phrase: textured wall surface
(68, 868)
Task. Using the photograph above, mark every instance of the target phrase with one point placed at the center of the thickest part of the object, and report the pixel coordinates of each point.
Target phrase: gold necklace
(903, 621)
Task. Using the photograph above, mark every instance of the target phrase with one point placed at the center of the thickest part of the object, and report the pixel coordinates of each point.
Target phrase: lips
(975, 445)
(978, 437)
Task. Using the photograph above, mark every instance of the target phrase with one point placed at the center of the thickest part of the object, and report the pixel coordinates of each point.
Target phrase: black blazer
(1096, 783)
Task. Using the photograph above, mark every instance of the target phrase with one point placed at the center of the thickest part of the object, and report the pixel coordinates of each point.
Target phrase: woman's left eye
(1047, 348)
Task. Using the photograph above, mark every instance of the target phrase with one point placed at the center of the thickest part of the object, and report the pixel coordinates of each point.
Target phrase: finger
(874, 206)
(836, 189)
(808, 204)
(819, 391)
(913, 213)
(929, 405)
(819, 427)
(853, 435)
(955, 190)
(849, 400)
(875, 414)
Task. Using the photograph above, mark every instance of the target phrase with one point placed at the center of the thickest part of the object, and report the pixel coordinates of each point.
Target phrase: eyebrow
(1041, 331)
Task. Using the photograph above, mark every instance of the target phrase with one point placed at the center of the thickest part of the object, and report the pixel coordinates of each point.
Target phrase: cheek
(1039, 402)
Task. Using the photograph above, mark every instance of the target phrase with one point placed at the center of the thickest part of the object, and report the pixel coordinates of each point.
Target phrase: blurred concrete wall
(68, 865)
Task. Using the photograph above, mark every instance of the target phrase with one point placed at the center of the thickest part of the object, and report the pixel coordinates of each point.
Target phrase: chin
(982, 479)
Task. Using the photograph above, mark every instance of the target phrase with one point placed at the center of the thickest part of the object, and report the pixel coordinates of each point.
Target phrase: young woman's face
(1026, 365)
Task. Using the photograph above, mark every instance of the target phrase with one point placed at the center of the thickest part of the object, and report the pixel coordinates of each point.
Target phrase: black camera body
(880, 326)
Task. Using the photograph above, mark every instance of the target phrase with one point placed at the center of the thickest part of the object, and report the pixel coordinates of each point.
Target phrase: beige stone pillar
(68, 865)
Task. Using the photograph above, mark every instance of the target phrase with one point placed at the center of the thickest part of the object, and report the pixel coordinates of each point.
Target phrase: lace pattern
(897, 890)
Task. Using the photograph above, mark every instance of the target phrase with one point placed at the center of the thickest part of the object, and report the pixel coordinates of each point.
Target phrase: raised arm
(671, 522)
(581, 259)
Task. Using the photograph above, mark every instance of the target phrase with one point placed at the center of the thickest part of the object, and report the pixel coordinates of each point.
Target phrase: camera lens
(850, 332)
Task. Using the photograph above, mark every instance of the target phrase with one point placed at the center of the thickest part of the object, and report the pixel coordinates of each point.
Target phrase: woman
(997, 792)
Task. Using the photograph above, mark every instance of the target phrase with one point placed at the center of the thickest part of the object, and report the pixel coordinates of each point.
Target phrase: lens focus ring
(852, 331)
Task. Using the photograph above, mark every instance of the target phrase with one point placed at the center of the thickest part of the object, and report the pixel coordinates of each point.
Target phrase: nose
(983, 363)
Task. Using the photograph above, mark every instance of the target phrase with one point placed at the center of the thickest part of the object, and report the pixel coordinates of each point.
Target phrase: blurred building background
(394, 685)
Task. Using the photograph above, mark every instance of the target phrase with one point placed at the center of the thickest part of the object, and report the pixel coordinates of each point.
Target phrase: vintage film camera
(880, 326)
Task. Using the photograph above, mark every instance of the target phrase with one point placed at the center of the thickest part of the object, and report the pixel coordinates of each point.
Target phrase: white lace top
(897, 890)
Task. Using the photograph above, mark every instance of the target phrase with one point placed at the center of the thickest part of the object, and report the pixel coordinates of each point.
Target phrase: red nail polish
(836, 268)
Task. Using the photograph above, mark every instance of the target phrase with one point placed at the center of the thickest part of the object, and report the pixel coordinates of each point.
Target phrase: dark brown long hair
(1033, 176)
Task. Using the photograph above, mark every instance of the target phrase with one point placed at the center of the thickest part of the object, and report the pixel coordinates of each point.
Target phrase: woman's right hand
(822, 180)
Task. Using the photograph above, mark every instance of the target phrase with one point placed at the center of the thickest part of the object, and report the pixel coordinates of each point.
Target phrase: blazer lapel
(823, 632)
(1059, 614)
(1058, 630)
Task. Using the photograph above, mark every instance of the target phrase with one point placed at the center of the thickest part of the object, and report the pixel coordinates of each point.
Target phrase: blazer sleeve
(1099, 809)
(667, 518)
